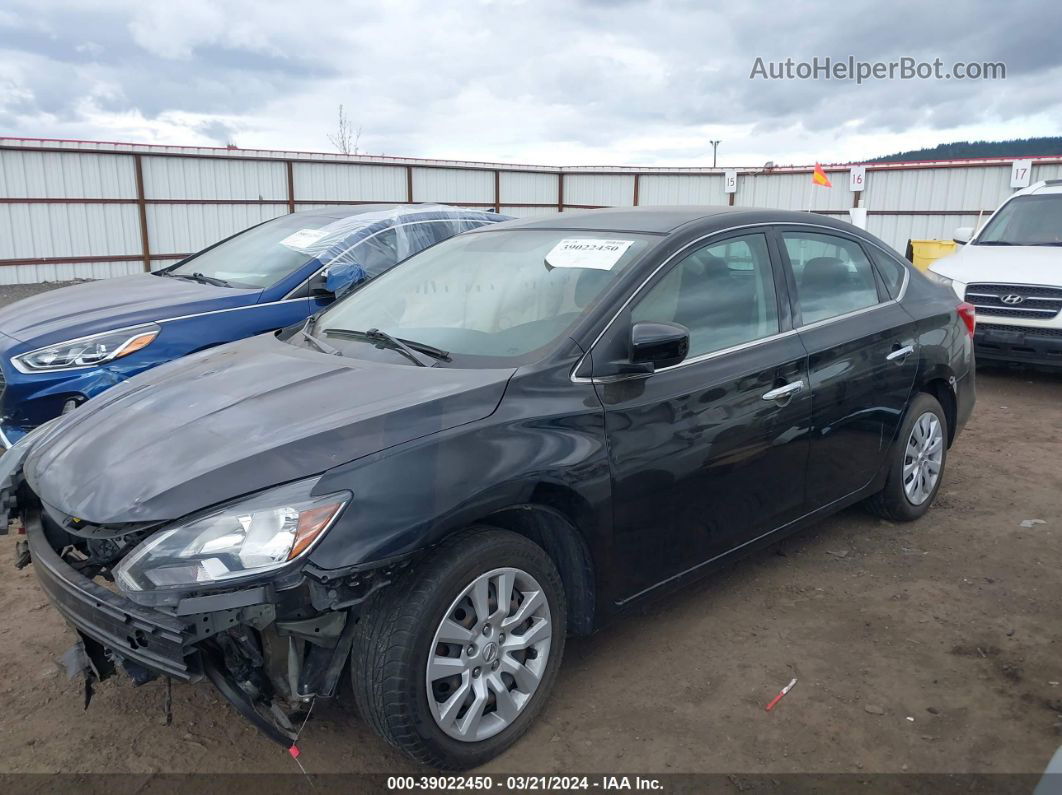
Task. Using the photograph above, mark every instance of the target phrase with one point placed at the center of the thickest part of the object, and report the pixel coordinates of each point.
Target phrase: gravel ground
(9, 293)
(927, 647)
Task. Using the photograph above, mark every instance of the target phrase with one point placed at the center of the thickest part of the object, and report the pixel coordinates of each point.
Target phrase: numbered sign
(857, 178)
(730, 181)
(1020, 173)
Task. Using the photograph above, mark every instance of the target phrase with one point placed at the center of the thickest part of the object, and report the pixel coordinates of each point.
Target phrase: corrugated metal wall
(528, 195)
(598, 190)
(680, 189)
(94, 209)
(334, 182)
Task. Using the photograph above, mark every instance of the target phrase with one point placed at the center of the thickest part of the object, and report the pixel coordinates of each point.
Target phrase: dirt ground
(929, 647)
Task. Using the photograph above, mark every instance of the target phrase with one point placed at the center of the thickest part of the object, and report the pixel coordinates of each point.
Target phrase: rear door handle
(900, 353)
(783, 392)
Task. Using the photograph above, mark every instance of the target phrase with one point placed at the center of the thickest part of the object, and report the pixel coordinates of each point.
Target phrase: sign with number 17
(1020, 173)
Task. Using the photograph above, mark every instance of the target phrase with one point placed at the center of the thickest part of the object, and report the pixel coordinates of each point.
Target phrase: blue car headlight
(87, 351)
(243, 539)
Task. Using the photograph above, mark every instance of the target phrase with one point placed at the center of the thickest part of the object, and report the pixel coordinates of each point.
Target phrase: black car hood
(237, 419)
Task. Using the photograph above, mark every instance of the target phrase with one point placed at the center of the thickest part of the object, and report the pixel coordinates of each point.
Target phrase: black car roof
(662, 220)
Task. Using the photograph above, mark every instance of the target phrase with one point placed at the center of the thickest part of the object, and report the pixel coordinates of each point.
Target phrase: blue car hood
(83, 309)
(239, 418)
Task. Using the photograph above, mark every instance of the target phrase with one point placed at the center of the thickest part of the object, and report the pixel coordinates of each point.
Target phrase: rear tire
(916, 463)
(497, 690)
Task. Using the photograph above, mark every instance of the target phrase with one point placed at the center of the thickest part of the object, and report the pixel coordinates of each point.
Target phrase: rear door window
(833, 275)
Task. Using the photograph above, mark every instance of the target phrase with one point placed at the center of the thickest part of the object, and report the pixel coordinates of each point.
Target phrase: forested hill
(1018, 147)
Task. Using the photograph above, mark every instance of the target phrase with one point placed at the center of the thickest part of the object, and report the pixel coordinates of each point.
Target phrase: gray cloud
(508, 79)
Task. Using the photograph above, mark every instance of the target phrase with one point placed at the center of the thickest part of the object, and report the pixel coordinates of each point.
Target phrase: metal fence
(78, 209)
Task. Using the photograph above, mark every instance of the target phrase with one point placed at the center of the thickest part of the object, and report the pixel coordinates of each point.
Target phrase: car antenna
(294, 750)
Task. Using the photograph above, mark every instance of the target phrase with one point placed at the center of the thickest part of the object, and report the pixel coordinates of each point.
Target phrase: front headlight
(246, 538)
(87, 351)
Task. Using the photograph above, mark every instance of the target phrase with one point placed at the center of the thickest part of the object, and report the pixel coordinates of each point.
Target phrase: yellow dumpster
(924, 252)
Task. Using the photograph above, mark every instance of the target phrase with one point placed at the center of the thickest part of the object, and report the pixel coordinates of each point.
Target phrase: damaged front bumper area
(160, 643)
(268, 651)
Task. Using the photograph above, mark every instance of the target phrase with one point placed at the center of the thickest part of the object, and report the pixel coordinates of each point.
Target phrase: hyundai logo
(1012, 299)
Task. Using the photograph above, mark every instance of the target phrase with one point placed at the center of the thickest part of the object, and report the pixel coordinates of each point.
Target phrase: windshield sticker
(587, 253)
(303, 238)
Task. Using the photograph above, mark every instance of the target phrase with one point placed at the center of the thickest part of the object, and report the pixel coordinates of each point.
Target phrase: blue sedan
(63, 347)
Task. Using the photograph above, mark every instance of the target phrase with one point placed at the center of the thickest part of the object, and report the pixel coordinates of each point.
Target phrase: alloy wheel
(923, 458)
(489, 654)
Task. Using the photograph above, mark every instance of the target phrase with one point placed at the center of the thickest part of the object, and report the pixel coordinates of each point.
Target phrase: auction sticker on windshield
(587, 253)
(303, 238)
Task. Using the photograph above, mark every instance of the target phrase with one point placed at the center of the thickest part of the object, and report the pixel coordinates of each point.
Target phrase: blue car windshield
(258, 257)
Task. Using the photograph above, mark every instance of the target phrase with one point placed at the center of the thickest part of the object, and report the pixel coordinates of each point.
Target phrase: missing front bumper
(159, 642)
(263, 665)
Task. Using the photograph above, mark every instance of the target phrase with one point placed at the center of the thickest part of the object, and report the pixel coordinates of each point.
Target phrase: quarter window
(723, 293)
(833, 275)
(892, 272)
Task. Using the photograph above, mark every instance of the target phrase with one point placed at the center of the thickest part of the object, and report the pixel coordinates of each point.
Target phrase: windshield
(257, 257)
(500, 295)
(1026, 221)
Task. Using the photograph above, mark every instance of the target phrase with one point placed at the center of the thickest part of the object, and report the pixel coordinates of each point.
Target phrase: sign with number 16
(857, 178)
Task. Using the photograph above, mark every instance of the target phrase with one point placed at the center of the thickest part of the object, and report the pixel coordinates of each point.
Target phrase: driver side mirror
(659, 344)
(318, 285)
(963, 234)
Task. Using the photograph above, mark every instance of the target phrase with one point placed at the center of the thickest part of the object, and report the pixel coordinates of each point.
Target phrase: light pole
(715, 148)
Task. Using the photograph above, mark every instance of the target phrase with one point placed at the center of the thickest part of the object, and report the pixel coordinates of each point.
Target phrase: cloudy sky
(541, 81)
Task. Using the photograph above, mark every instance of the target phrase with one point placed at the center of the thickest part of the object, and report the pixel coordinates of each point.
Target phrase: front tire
(452, 662)
(916, 463)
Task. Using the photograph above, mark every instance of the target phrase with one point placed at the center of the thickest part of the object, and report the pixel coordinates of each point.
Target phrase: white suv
(1012, 272)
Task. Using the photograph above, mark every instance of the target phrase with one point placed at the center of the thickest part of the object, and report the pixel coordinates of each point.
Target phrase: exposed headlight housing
(244, 539)
(87, 351)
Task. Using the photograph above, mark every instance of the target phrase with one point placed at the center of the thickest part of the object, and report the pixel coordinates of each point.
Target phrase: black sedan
(510, 438)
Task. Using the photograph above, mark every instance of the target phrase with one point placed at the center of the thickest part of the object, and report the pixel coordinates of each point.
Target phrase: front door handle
(784, 392)
(900, 353)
